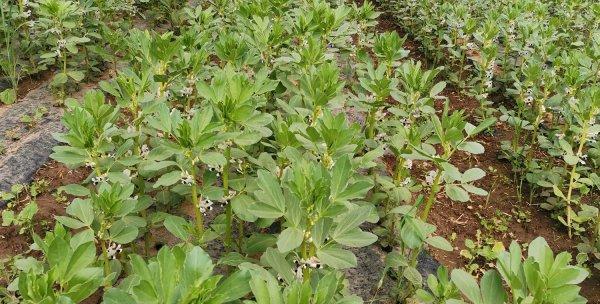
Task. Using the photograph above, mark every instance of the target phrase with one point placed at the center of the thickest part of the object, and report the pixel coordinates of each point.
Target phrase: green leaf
(413, 276)
(472, 147)
(467, 285)
(117, 296)
(76, 75)
(177, 226)
(336, 257)
(234, 286)
(457, 193)
(277, 261)
(483, 125)
(65, 220)
(571, 159)
(356, 238)
(474, 190)
(340, 176)
(59, 79)
(122, 234)
(270, 193)
(351, 220)
(290, 239)
(258, 243)
(8, 96)
(439, 242)
(472, 174)
(168, 179)
(75, 190)
(396, 260)
(213, 159)
(83, 256)
(82, 210)
(437, 88)
(492, 289)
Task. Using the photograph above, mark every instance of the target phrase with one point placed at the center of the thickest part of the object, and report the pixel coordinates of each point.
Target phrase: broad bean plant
(542, 59)
(259, 128)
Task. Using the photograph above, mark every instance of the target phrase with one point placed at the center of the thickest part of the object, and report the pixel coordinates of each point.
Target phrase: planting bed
(267, 151)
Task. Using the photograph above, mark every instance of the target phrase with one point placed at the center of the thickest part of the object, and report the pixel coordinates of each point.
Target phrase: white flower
(568, 91)
(61, 43)
(225, 200)
(205, 205)
(560, 136)
(298, 272)
(582, 158)
(529, 91)
(99, 179)
(406, 181)
(187, 179)
(430, 177)
(223, 146)
(240, 165)
(217, 169)
(191, 80)
(112, 250)
(408, 164)
(90, 164)
(312, 262)
(127, 173)
(528, 100)
(380, 115)
(416, 113)
(186, 91)
(489, 84)
(489, 74)
(405, 122)
(381, 137)
(27, 14)
(144, 151)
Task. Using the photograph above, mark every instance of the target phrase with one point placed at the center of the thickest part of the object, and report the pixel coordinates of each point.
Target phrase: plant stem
(196, 205)
(228, 211)
(399, 166)
(370, 134)
(106, 262)
(572, 176)
(431, 198)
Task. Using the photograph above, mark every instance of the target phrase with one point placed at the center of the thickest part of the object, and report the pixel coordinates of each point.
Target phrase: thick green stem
(572, 176)
(228, 210)
(196, 205)
(370, 134)
(431, 198)
(106, 262)
(398, 174)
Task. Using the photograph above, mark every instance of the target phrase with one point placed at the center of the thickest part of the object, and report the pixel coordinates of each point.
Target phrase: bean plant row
(260, 127)
(543, 59)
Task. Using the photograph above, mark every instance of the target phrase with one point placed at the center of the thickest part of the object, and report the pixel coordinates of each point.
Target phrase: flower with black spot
(205, 206)
(187, 178)
(112, 250)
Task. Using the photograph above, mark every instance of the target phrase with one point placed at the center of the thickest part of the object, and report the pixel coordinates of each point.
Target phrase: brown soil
(11, 242)
(32, 82)
(464, 219)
